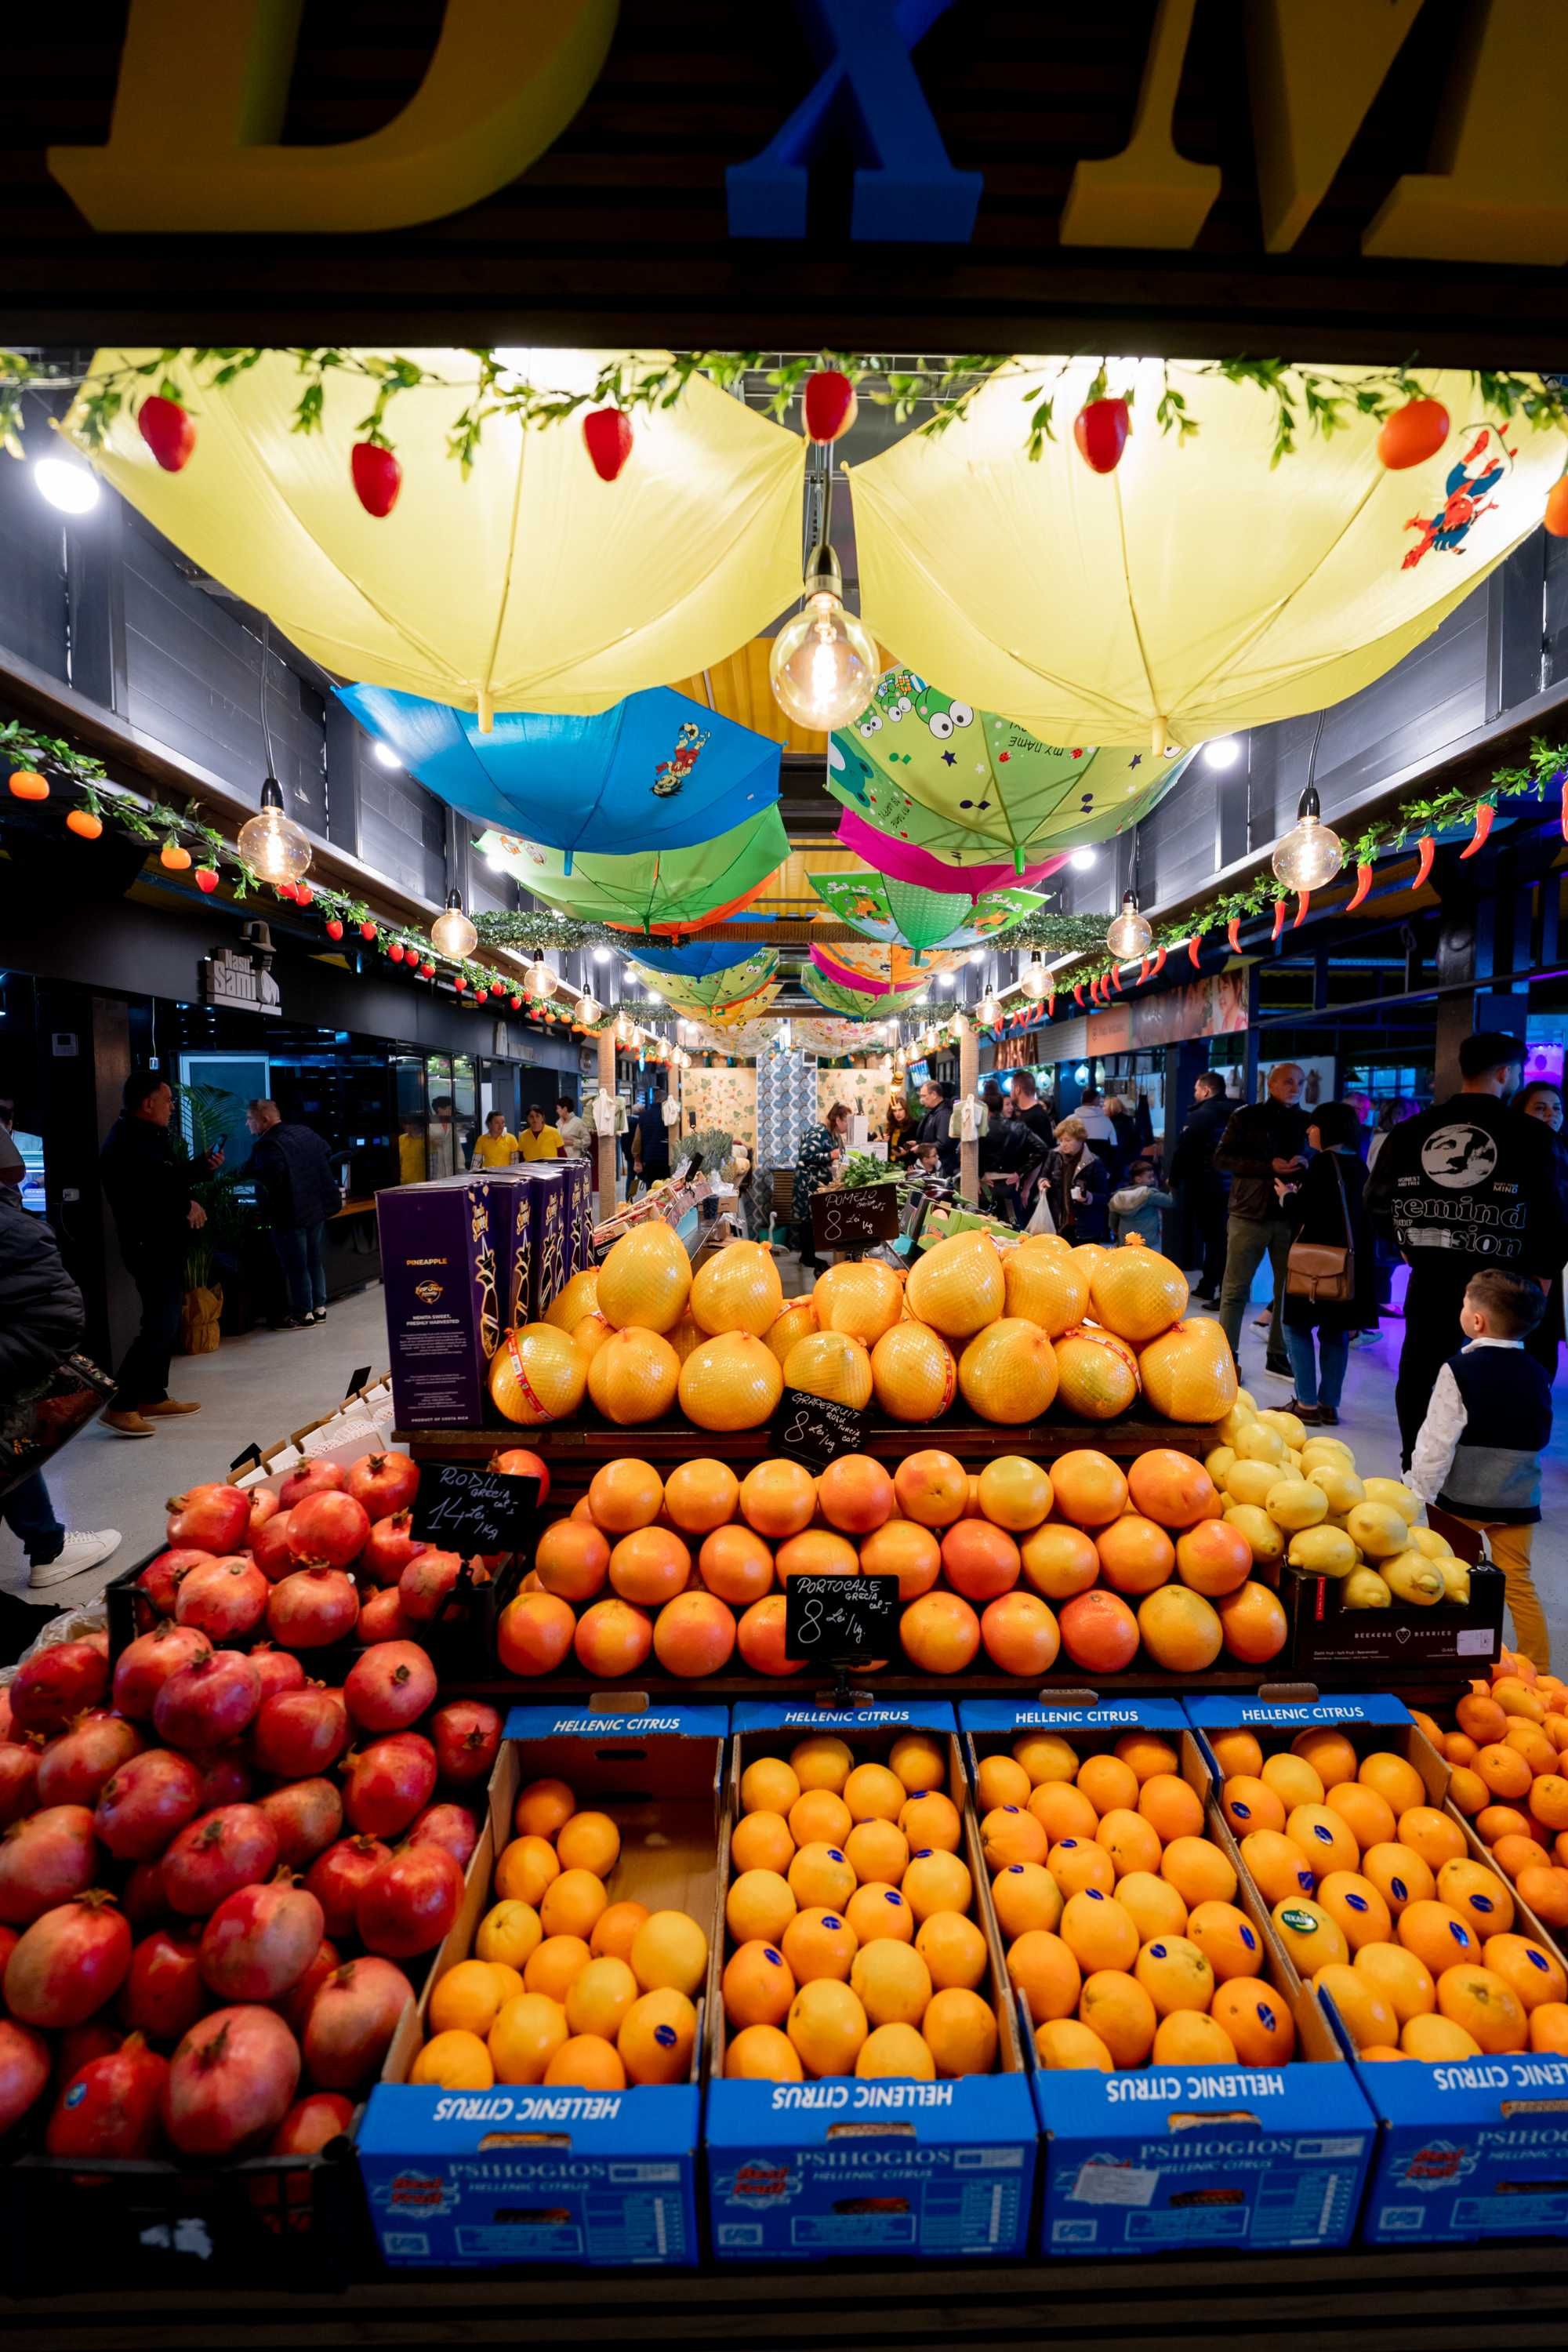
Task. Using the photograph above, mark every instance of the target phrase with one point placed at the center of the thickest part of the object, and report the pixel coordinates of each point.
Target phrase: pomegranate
(311, 2122)
(388, 1548)
(308, 1478)
(141, 1896)
(260, 1941)
(428, 1583)
(73, 1769)
(380, 1619)
(146, 1665)
(45, 1860)
(6, 1733)
(24, 2070)
(517, 1462)
(215, 1855)
(53, 1685)
(300, 1733)
(264, 1506)
(279, 1669)
(69, 1962)
(352, 2022)
(295, 2006)
(312, 1607)
(150, 1798)
(409, 1902)
(307, 1815)
(453, 1826)
(19, 1779)
(162, 1578)
(213, 1517)
(465, 1735)
(327, 1530)
(390, 1687)
(383, 1483)
(226, 1599)
(209, 1703)
(78, 2045)
(226, 1776)
(269, 1547)
(230, 2082)
(335, 1878)
(110, 2109)
(162, 1994)
(389, 1782)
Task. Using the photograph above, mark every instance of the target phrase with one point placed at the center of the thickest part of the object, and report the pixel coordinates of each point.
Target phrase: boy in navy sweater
(1478, 1451)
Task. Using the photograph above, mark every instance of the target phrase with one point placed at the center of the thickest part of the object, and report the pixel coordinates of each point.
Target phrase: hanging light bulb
(990, 1008)
(623, 1028)
(272, 843)
(538, 981)
(588, 1008)
(823, 665)
(1311, 852)
(1036, 981)
(1130, 933)
(452, 932)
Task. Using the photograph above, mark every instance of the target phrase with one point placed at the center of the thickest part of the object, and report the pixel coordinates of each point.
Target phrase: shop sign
(1214, 1006)
(238, 980)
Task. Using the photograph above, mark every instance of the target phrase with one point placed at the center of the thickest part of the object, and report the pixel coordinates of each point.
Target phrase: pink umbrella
(905, 861)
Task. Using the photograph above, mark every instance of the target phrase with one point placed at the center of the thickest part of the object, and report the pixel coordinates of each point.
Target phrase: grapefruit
(778, 1497)
(645, 1279)
(861, 1299)
(913, 1373)
(1137, 1293)
(633, 1376)
(959, 1287)
(729, 1383)
(1097, 1374)
(537, 1374)
(1189, 1372)
(1047, 1288)
(1181, 1630)
(829, 1364)
(931, 1487)
(738, 1289)
(1008, 1371)
(1016, 1494)
(579, 1296)
(798, 1317)
(701, 1494)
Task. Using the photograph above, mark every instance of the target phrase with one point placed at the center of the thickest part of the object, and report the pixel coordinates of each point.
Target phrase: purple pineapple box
(445, 1279)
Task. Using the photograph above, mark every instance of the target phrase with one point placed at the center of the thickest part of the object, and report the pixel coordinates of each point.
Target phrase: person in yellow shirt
(537, 1140)
(497, 1148)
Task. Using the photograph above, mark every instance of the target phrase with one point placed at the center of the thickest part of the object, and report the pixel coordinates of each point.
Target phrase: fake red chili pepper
(1362, 884)
(1192, 950)
(1278, 919)
(1116, 978)
(1078, 994)
(1051, 1005)
(1233, 933)
(1159, 963)
(1428, 851)
(1485, 813)
(1303, 900)
(1143, 969)
(1563, 779)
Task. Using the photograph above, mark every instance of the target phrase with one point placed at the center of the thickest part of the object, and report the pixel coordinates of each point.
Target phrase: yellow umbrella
(1199, 587)
(531, 584)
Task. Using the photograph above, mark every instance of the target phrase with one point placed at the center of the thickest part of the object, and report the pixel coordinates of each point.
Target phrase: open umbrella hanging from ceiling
(854, 1003)
(657, 889)
(736, 983)
(903, 914)
(906, 861)
(693, 960)
(881, 970)
(654, 771)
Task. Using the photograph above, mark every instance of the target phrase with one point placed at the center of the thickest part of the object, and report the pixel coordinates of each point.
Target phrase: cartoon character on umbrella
(671, 773)
(1465, 502)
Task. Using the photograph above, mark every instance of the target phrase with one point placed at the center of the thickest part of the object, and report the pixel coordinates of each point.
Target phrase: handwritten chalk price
(834, 1617)
(817, 1429)
(462, 1509)
(844, 1219)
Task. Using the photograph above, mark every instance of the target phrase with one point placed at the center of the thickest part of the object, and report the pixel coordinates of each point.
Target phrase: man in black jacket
(1263, 1143)
(293, 1171)
(1467, 1185)
(149, 1189)
(1202, 1191)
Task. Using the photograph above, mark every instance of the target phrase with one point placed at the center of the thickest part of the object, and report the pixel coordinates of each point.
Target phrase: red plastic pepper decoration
(1143, 969)
(1192, 950)
(1362, 884)
(1485, 813)
(1428, 849)
(1278, 919)
(1159, 963)
(1078, 994)
(1051, 1005)
(1303, 900)
(1116, 978)
(1233, 933)
(1563, 780)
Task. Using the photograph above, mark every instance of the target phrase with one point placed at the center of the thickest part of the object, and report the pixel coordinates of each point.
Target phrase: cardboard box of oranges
(543, 2105)
(1441, 1985)
(867, 2093)
(1190, 2093)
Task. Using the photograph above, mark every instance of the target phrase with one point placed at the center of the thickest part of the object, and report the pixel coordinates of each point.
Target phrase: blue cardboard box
(523, 2173)
(1159, 2158)
(797, 2171)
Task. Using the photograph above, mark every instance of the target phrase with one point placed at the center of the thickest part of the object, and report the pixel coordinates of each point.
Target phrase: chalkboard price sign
(817, 1430)
(840, 1619)
(868, 1213)
(462, 1509)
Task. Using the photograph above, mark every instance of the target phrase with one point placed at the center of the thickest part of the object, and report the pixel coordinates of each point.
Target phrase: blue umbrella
(655, 772)
(699, 959)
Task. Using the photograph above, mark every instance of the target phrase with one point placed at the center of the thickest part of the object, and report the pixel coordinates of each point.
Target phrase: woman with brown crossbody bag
(1330, 1277)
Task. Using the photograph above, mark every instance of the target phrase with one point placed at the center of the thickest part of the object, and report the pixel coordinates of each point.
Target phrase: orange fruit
(1369, 2016)
(1467, 1791)
(457, 2059)
(573, 1903)
(632, 1376)
(1549, 2028)
(954, 1950)
(542, 1809)
(907, 1551)
(1278, 1867)
(1436, 2042)
(735, 1381)
(1537, 1975)
(1108, 1782)
(1131, 1840)
(1183, 2037)
(1079, 1863)
(1180, 1630)
(1025, 1896)
(1312, 1936)
(913, 1373)
(525, 2037)
(1477, 1895)
(891, 1982)
(553, 1967)
(508, 1933)
(1213, 1557)
(827, 2026)
(960, 2029)
(1147, 1753)
(1175, 1974)
(625, 1495)
(819, 1817)
(821, 1877)
(757, 1986)
(1046, 1756)
(1484, 2005)
(694, 1635)
(1292, 1779)
(1063, 2043)
(650, 1566)
(736, 1566)
(1046, 1972)
(1116, 2007)
(778, 1498)
(658, 2035)
(1227, 1938)
(939, 1633)
(1258, 2019)
(1014, 1493)
(1063, 1812)
(1170, 1487)
(1151, 1904)
(1481, 1717)
(600, 1996)
(981, 1561)
(932, 1488)
(1248, 1804)
(1097, 1930)
(1254, 1623)
(587, 2063)
(762, 1841)
(1236, 1752)
(1404, 1982)
(817, 1552)
(1356, 1907)
(876, 1911)
(760, 1906)
(1324, 1839)
(819, 1943)
(1514, 1855)
(1059, 1561)
(1399, 1875)
(1368, 1817)
(1398, 1782)
(1009, 1833)
(701, 1495)
(612, 1638)
(895, 2052)
(534, 1632)
(1020, 1635)
(571, 1560)
(855, 1495)
(646, 1278)
(1088, 1488)
(928, 1820)
(874, 1793)
(1135, 1556)
(1437, 1936)
(523, 1870)
(467, 1999)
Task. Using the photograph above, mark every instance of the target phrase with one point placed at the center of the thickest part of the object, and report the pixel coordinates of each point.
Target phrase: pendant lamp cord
(266, 731)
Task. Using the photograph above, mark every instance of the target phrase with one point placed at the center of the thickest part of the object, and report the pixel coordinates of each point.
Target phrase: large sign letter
(1314, 66)
(193, 143)
(913, 195)
(1147, 195)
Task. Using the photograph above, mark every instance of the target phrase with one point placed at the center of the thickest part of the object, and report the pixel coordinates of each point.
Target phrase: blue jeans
(1321, 1382)
(304, 1271)
(30, 1515)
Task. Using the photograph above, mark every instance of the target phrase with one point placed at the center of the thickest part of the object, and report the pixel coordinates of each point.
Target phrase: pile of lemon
(566, 1988)
(853, 1943)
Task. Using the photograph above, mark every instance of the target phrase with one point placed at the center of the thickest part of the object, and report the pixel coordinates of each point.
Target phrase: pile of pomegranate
(215, 1871)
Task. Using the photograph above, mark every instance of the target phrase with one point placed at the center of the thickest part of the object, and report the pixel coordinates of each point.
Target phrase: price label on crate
(869, 1212)
(840, 1619)
(461, 1508)
(817, 1430)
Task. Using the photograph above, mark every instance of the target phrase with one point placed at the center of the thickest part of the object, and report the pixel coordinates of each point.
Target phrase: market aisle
(256, 1388)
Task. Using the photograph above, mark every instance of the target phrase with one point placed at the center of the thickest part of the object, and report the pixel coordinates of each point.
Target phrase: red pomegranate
(147, 1664)
(352, 2022)
(73, 1769)
(230, 2082)
(453, 1826)
(264, 1506)
(279, 1669)
(78, 2045)
(380, 1619)
(295, 2006)
(518, 1462)
(428, 1583)
(208, 1703)
(19, 1779)
(6, 1732)
(308, 1478)
(300, 1733)
(110, 2109)
(162, 1994)
(390, 1687)
(141, 1896)
(311, 2122)
(465, 1735)
(226, 1776)
(69, 1962)
(23, 2071)
(388, 1783)
(260, 1941)
(307, 1815)
(227, 1599)
(162, 1578)
(327, 1530)
(45, 1860)
(150, 1798)
(49, 1689)
(383, 1483)
(9, 1939)
(335, 1878)
(269, 1547)
(213, 1517)
(312, 1607)
(216, 1854)
(388, 1548)
(409, 1902)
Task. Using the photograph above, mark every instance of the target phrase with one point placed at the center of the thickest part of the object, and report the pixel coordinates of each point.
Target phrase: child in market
(1136, 1206)
(1478, 1451)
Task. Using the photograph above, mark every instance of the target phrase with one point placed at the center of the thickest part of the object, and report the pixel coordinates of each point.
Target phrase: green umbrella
(854, 1003)
(655, 889)
(907, 914)
(734, 984)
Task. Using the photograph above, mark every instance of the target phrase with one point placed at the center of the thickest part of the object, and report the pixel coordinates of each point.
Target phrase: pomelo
(645, 1279)
(1008, 1371)
(1138, 1294)
(738, 1289)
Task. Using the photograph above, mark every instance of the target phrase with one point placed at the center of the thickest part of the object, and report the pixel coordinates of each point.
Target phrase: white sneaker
(82, 1551)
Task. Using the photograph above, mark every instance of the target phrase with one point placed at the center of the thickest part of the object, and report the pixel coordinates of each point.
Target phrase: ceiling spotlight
(945, 980)
(388, 758)
(73, 488)
(977, 955)
(653, 996)
(1081, 860)
(601, 955)
(1223, 752)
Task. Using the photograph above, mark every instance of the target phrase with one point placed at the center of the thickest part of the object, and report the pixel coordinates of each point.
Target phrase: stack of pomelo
(1507, 1750)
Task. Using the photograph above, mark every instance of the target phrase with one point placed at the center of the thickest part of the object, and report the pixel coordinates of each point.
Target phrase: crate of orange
(866, 2091)
(1189, 2092)
(1505, 1742)
(543, 2105)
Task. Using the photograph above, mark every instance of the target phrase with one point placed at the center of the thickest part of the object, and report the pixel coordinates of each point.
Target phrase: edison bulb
(1311, 854)
(588, 1008)
(1037, 979)
(538, 980)
(1130, 933)
(990, 1008)
(823, 665)
(272, 843)
(452, 932)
